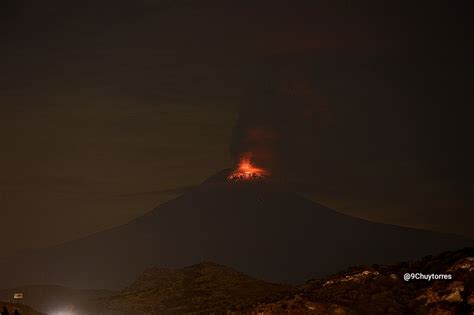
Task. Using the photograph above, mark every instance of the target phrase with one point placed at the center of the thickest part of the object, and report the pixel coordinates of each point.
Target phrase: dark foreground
(209, 288)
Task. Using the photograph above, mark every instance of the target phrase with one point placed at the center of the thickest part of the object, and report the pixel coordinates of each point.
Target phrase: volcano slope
(257, 228)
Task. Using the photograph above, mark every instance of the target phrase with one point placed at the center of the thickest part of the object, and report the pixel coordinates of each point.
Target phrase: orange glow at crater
(246, 171)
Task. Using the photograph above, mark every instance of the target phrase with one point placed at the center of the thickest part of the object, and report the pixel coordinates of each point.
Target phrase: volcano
(256, 227)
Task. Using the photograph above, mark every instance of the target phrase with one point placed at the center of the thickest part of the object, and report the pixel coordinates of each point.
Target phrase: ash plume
(280, 120)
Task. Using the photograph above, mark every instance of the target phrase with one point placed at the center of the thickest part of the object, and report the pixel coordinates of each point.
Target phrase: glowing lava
(246, 171)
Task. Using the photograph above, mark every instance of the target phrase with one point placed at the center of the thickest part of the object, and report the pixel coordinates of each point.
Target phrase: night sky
(109, 108)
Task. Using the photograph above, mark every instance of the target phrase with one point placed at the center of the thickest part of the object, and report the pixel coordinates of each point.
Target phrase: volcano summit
(246, 171)
(256, 227)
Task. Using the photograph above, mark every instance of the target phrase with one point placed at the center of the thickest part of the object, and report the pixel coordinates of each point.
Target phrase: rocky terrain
(204, 288)
(383, 290)
(209, 288)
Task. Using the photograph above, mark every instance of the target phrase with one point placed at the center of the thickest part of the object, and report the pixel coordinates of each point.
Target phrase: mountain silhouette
(256, 227)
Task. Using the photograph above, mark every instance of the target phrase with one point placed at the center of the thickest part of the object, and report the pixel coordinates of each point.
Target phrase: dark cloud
(379, 132)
